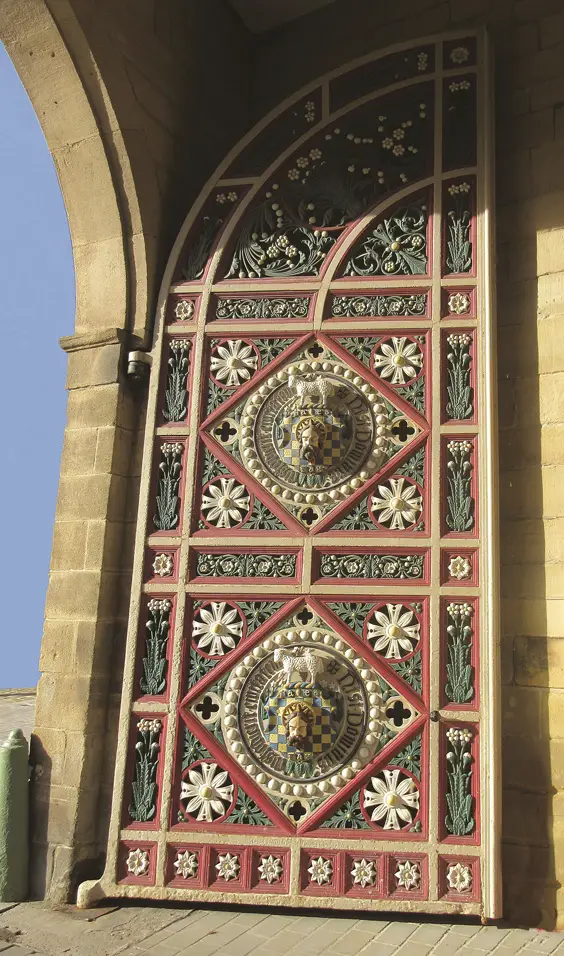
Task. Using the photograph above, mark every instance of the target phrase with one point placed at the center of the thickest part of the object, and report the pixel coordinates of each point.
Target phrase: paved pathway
(17, 709)
(238, 933)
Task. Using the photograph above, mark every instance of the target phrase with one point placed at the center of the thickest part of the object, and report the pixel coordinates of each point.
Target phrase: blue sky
(36, 308)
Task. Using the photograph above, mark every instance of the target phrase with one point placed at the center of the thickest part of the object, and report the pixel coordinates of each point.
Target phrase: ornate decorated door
(309, 702)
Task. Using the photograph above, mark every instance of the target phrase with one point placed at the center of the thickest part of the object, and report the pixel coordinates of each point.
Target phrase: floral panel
(342, 566)
(137, 862)
(399, 245)
(258, 308)
(265, 563)
(187, 865)
(168, 486)
(145, 772)
(458, 303)
(413, 304)
(459, 667)
(407, 876)
(458, 813)
(176, 379)
(459, 227)
(152, 674)
(459, 878)
(460, 568)
(161, 564)
(364, 874)
(459, 481)
(182, 309)
(459, 378)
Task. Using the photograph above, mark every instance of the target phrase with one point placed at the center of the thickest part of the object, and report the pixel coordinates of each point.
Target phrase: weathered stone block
(79, 451)
(94, 366)
(69, 545)
(539, 662)
(521, 712)
(57, 647)
(552, 29)
(73, 595)
(93, 407)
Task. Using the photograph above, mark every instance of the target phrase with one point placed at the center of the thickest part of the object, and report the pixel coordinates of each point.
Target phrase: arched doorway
(309, 709)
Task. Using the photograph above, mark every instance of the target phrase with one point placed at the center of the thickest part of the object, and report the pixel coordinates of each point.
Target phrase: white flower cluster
(423, 110)
(222, 198)
(459, 447)
(462, 339)
(146, 726)
(155, 606)
(171, 448)
(458, 188)
(456, 736)
(180, 345)
(184, 310)
(459, 610)
(422, 60)
(459, 55)
(309, 112)
(455, 87)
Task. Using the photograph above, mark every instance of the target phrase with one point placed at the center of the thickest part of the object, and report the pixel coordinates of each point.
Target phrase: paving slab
(141, 929)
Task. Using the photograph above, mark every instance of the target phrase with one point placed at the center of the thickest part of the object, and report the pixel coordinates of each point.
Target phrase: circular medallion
(315, 431)
(299, 716)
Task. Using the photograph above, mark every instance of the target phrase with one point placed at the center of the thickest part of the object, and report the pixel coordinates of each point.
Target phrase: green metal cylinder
(14, 818)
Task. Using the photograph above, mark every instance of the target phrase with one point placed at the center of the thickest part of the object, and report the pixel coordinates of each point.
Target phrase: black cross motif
(309, 516)
(305, 616)
(315, 350)
(296, 810)
(398, 713)
(402, 429)
(225, 431)
(207, 707)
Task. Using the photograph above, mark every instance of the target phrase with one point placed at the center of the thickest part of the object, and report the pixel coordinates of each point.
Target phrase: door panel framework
(317, 532)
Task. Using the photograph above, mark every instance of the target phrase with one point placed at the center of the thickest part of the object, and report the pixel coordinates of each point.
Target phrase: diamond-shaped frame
(357, 487)
(358, 648)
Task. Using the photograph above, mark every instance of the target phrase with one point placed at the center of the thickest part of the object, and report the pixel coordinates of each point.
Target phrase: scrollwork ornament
(246, 565)
(371, 566)
(397, 246)
(358, 306)
(262, 308)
